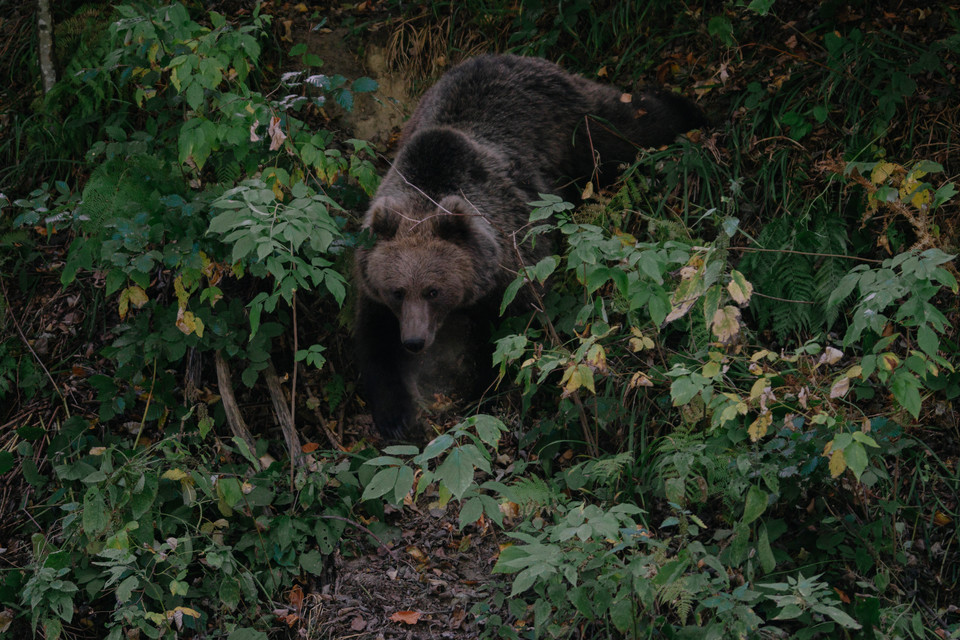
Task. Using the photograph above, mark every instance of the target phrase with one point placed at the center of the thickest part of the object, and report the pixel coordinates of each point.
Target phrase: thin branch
(805, 253)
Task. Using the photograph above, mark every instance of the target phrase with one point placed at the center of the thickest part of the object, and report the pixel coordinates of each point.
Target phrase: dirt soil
(423, 587)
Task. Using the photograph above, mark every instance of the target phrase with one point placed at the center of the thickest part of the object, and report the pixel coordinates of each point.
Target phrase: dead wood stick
(230, 407)
(281, 409)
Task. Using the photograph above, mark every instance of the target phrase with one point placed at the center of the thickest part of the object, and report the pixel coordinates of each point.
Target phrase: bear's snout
(414, 345)
(418, 323)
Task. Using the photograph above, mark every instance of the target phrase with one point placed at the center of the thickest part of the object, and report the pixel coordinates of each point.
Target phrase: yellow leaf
(941, 519)
(597, 357)
(568, 382)
(911, 192)
(888, 361)
(640, 380)
(584, 376)
(758, 387)
(729, 412)
(882, 172)
(763, 353)
(739, 288)
(758, 428)
(181, 291)
(854, 372)
(587, 192)
(711, 369)
(838, 464)
(123, 304)
(690, 289)
(726, 324)
(189, 323)
(174, 474)
(639, 342)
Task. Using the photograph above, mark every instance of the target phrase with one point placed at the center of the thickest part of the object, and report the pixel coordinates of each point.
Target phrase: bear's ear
(459, 222)
(383, 219)
(453, 221)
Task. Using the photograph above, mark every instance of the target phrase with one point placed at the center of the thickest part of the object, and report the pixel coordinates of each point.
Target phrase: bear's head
(422, 267)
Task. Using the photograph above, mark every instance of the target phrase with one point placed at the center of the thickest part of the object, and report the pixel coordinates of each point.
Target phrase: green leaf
(844, 288)
(364, 85)
(756, 504)
(405, 478)
(622, 614)
(510, 293)
(229, 490)
(760, 7)
(435, 447)
(95, 517)
(312, 561)
(125, 588)
(683, 389)
(856, 458)
(928, 340)
(764, 552)
(837, 615)
(6, 461)
(382, 482)
(456, 473)
(470, 511)
(580, 598)
(906, 390)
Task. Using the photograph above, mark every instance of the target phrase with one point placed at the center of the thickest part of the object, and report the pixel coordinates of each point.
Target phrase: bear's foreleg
(382, 364)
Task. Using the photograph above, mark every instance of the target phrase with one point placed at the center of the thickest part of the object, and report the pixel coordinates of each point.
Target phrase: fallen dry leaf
(407, 617)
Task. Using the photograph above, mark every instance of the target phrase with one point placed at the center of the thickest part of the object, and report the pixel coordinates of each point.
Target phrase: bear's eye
(430, 294)
(397, 294)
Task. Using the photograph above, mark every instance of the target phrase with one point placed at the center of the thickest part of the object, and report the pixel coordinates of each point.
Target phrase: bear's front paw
(392, 422)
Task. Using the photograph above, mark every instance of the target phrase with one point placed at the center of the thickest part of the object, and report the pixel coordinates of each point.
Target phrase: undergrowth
(732, 416)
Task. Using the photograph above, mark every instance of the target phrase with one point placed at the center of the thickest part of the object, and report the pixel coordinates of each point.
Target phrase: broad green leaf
(470, 511)
(764, 552)
(906, 390)
(312, 561)
(756, 504)
(95, 517)
(456, 473)
(382, 482)
(928, 340)
(856, 457)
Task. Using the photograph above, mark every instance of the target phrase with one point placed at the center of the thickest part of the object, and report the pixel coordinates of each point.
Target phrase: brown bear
(490, 136)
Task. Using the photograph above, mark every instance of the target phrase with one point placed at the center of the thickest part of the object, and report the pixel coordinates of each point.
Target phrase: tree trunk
(48, 70)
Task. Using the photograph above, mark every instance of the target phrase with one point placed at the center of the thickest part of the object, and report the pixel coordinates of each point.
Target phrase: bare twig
(804, 253)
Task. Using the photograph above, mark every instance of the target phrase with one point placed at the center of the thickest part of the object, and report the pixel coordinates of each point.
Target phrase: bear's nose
(414, 345)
